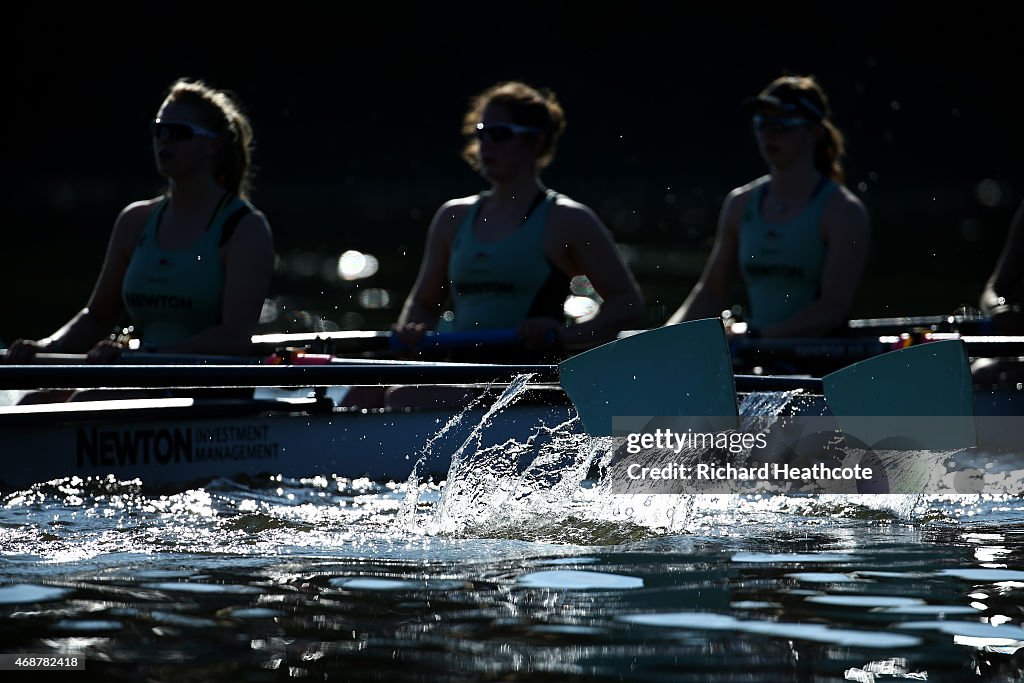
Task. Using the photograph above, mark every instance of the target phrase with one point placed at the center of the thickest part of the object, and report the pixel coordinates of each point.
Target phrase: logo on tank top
(164, 301)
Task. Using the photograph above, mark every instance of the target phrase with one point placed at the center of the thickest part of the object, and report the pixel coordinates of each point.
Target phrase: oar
(222, 376)
(370, 341)
(849, 349)
(976, 323)
(339, 372)
(921, 395)
(676, 370)
(143, 358)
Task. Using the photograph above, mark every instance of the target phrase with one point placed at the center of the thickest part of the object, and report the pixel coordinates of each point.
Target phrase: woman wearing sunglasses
(505, 257)
(797, 236)
(191, 267)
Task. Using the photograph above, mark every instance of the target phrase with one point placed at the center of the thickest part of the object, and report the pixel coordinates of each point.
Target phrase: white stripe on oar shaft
(244, 376)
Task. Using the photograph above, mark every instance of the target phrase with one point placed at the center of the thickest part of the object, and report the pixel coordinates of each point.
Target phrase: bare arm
(711, 294)
(847, 234)
(1008, 275)
(587, 248)
(1001, 298)
(430, 292)
(248, 267)
(104, 307)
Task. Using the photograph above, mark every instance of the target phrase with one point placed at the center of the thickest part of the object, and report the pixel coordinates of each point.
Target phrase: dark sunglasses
(178, 130)
(500, 132)
(778, 124)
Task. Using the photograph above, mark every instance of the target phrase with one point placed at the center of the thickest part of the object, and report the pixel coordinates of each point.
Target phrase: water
(499, 575)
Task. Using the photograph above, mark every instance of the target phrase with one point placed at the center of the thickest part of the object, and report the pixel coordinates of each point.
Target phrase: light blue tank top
(496, 285)
(171, 294)
(782, 263)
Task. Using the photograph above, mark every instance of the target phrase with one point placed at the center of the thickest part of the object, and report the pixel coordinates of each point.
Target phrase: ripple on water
(27, 593)
(189, 587)
(569, 579)
(823, 634)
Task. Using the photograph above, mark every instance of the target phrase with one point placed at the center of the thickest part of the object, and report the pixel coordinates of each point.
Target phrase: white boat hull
(170, 444)
(177, 441)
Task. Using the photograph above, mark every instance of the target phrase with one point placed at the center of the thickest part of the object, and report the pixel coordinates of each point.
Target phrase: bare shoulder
(571, 218)
(739, 197)
(131, 219)
(453, 209)
(450, 215)
(735, 205)
(254, 224)
(846, 207)
(138, 211)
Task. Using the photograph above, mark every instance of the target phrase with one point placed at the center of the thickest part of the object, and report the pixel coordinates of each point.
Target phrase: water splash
(553, 487)
(410, 504)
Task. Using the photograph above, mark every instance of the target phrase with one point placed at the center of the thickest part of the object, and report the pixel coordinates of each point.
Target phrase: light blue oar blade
(682, 370)
(921, 396)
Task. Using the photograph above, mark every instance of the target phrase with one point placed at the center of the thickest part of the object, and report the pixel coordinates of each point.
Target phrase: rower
(191, 267)
(798, 237)
(505, 257)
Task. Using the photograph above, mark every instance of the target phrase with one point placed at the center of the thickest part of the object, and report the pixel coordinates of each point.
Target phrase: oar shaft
(370, 341)
(233, 376)
(143, 358)
(376, 374)
(807, 347)
(899, 324)
(859, 348)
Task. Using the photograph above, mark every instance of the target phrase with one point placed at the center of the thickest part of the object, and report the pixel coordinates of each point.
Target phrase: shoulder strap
(466, 224)
(231, 222)
(537, 201)
(756, 202)
(152, 224)
(825, 182)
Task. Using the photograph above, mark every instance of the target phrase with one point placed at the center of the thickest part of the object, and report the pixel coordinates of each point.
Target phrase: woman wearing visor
(505, 257)
(797, 237)
(191, 267)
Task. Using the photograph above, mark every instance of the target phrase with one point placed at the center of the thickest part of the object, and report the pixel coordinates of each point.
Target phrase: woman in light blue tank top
(504, 258)
(191, 268)
(796, 238)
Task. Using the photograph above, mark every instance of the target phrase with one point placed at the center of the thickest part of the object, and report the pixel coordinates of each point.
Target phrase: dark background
(357, 114)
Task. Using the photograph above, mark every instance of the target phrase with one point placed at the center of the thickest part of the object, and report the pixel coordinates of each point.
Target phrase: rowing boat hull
(176, 442)
(165, 442)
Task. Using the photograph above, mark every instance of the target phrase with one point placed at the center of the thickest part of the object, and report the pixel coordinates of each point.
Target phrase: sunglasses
(778, 124)
(500, 132)
(178, 130)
